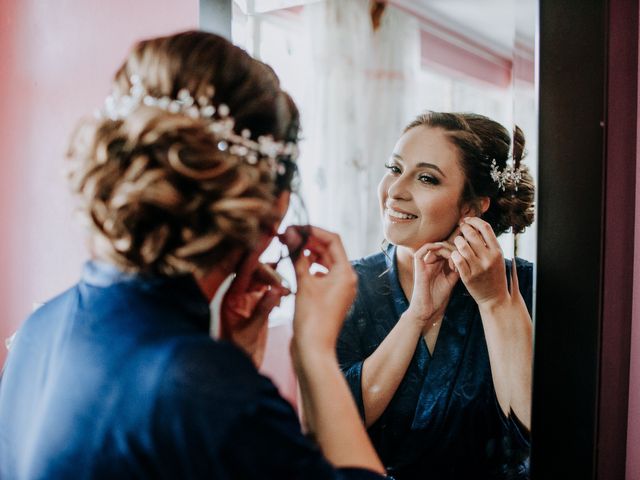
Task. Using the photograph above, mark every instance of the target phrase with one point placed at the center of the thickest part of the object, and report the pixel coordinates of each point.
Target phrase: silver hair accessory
(503, 177)
(119, 107)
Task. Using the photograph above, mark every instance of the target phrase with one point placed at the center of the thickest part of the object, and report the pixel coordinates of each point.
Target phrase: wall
(633, 419)
(57, 61)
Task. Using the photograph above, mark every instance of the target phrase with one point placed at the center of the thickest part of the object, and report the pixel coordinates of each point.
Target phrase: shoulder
(373, 264)
(38, 327)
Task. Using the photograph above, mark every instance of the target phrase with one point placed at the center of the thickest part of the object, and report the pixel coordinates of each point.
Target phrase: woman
(183, 179)
(437, 347)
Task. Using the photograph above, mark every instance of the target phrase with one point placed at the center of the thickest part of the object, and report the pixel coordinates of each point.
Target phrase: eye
(393, 169)
(428, 179)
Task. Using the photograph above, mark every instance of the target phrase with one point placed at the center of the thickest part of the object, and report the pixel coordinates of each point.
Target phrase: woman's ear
(483, 205)
(476, 208)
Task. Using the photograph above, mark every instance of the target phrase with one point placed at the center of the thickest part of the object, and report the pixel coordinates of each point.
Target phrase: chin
(407, 240)
(398, 239)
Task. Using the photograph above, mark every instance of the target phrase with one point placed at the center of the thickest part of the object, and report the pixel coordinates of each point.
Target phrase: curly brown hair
(479, 141)
(160, 196)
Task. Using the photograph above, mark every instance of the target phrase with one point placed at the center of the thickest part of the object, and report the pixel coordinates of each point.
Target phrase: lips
(397, 214)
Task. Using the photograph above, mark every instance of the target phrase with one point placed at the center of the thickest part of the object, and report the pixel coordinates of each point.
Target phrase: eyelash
(392, 168)
(426, 179)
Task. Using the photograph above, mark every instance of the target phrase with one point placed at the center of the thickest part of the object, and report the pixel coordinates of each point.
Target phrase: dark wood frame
(588, 122)
(587, 148)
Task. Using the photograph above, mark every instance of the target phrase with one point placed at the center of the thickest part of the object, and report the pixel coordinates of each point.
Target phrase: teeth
(403, 216)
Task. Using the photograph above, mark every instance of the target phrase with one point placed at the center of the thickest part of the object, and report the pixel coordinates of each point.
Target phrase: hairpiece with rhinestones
(220, 122)
(502, 177)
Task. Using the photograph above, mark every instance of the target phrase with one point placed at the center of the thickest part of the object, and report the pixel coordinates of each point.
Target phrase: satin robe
(444, 421)
(118, 378)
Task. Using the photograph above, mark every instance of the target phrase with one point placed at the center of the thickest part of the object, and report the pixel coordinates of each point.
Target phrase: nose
(398, 189)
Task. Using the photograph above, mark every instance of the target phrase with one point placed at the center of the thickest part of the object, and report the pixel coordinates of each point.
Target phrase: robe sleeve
(272, 446)
(525, 281)
(217, 417)
(516, 440)
(351, 355)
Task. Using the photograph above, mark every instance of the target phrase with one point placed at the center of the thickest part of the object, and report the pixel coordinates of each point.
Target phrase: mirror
(360, 71)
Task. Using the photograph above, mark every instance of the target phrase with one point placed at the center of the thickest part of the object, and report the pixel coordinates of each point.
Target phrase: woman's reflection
(443, 380)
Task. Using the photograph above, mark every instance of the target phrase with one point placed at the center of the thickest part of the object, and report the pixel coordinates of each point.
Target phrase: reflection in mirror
(437, 347)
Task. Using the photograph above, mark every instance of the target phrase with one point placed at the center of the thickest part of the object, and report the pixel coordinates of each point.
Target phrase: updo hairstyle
(159, 194)
(481, 140)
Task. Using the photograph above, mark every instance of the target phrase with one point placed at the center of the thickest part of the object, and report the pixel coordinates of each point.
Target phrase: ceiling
(492, 23)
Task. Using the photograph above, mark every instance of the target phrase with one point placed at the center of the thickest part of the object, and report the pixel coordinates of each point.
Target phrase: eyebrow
(421, 164)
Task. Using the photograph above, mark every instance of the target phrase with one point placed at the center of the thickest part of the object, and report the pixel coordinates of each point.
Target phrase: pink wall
(633, 420)
(57, 61)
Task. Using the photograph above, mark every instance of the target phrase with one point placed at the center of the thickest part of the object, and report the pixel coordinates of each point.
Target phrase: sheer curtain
(354, 110)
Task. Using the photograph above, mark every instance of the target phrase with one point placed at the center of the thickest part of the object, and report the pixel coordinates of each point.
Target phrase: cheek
(383, 188)
(440, 210)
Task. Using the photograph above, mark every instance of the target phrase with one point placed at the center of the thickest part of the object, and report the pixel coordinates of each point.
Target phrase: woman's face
(420, 193)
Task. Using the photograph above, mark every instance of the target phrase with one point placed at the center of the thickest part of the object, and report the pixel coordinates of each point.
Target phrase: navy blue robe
(118, 378)
(444, 421)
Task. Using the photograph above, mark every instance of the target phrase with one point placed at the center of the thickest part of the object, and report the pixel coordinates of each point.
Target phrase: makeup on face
(420, 194)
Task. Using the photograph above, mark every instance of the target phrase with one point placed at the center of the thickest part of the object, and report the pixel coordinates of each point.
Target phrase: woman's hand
(506, 321)
(434, 276)
(478, 258)
(323, 298)
(246, 306)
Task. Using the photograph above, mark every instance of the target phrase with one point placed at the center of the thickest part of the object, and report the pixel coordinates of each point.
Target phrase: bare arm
(331, 413)
(385, 368)
(506, 321)
(322, 301)
(509, 333)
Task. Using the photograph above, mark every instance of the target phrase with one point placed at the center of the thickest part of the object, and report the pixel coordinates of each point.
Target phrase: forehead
(429, 145)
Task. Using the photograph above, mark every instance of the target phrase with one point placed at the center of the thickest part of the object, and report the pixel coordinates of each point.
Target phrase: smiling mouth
(399, 215)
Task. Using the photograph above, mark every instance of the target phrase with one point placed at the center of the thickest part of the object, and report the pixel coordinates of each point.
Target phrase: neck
(404, 259)
(404, 263)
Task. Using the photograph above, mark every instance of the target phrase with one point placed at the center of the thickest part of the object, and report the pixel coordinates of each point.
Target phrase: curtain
(354, 111)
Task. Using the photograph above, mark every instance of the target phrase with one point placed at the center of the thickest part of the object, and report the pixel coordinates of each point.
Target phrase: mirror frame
(587, 182)
(588, 73)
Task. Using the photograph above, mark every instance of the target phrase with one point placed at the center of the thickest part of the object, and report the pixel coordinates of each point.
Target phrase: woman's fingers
(267, 275)
(485, 230)
(465, 250)
(320, 243)
(420, 257)
(461, 265)
(245, 272)
(331, 254)
(475, 240)
(442, 250)
(333, 242)
(244, 305)
(269, 301)
(301, 266)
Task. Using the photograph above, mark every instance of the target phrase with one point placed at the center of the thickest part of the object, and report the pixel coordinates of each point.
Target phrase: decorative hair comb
(502, 177)
(221, 123)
